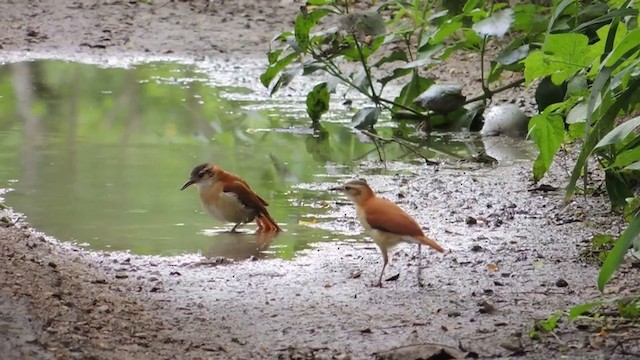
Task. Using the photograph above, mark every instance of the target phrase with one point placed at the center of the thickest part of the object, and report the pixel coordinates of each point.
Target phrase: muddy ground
(59, 301)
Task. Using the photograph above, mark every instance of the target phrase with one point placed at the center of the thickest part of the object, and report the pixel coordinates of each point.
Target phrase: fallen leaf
(492, 267)
(393, 278)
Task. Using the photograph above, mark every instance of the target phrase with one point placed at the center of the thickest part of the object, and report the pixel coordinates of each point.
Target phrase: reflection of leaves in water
(318, 145)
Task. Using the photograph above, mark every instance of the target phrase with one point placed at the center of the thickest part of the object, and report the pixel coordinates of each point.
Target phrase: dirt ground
(61, 302)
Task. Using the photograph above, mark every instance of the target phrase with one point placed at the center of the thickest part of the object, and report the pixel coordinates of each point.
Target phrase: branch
(401, 143)
(489, 93)
(366, 70)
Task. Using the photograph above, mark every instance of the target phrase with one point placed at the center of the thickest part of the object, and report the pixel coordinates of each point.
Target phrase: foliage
(600, 114)
(396, 42)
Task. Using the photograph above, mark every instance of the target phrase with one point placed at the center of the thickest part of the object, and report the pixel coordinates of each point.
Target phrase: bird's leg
(233, 229)
(385, 257)
(420, 284)
(260, 224)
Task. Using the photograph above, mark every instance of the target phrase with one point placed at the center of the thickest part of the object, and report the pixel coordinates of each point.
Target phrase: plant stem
(400, 142)
(489, 93)
(367, 71)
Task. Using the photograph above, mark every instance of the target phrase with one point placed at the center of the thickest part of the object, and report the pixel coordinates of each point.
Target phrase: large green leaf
(318, 101)
(616, 255)
(565, 55)
(547, 131)
(619, 133)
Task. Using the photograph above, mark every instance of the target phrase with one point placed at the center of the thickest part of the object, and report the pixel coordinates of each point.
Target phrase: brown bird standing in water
(385, 222)
(229, 198)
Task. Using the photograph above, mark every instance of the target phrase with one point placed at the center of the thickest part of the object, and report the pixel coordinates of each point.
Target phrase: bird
(229, 198)
(385, 222)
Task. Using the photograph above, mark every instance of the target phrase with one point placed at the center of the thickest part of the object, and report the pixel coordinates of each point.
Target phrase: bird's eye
(348, 188)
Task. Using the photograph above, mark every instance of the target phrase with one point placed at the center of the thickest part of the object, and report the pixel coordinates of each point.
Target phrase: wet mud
(513, 259)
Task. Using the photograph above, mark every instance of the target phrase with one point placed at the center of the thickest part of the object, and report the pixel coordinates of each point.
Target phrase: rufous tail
(431, 243)
(266, 223)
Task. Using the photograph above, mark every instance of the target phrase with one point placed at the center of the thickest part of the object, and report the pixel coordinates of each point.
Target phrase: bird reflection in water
(239, 245)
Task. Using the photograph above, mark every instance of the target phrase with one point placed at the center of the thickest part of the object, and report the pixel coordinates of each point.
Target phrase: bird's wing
(245, 195)
(382, 214)
(241, 180)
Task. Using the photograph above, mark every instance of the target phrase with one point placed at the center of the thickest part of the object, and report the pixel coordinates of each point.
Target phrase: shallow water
(96, 156)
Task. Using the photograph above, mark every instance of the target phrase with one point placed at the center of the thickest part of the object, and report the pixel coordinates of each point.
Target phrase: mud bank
(522, 265)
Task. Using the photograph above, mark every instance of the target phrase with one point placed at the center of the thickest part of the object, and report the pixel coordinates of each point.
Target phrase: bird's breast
(225, 206)
(362, 218)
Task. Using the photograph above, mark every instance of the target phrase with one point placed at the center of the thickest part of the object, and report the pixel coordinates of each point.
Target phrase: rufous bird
(229, 198)
(385, 222)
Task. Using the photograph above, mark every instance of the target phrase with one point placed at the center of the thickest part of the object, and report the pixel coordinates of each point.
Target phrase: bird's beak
(187, 184)
(337, 188)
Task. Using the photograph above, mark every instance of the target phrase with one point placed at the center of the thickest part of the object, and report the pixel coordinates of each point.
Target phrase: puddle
(96, 156)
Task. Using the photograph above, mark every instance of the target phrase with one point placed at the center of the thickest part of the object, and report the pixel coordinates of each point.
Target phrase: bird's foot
(377, 284)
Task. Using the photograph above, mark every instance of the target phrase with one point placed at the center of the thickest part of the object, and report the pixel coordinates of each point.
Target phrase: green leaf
(496, 25)
(619, 133)
(606, 18)
(617, 188)
(416, 64)
(303, 24)
(413, 89)
(394, 56)
(270, 73)
(365, 118)
(362, 24)
(556, 14)
(565, 55)
(318, 101)
(397, 73)
(634, 166)
(628, 44)
(284, 79)
(603, 124)
(445, 30)
(273, 56)
(551, 323)
(626, 158)
(578, 310)
(547, 131)
(469, 6)
(511, 56)
(616, 255)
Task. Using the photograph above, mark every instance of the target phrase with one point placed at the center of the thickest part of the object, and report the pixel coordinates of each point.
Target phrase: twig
(375, 142)
(366, 70)
(490, 92)
(401, 143)
(621, 343)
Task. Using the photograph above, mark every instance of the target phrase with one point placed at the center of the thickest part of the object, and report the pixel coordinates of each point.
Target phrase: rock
(441, 99)
(505, 119)
(470, 220)
(453, 313)
(562, 283)
(476, 248)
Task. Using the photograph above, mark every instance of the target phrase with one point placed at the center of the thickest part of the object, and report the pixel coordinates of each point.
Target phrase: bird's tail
(266, 223)
(430, 242)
